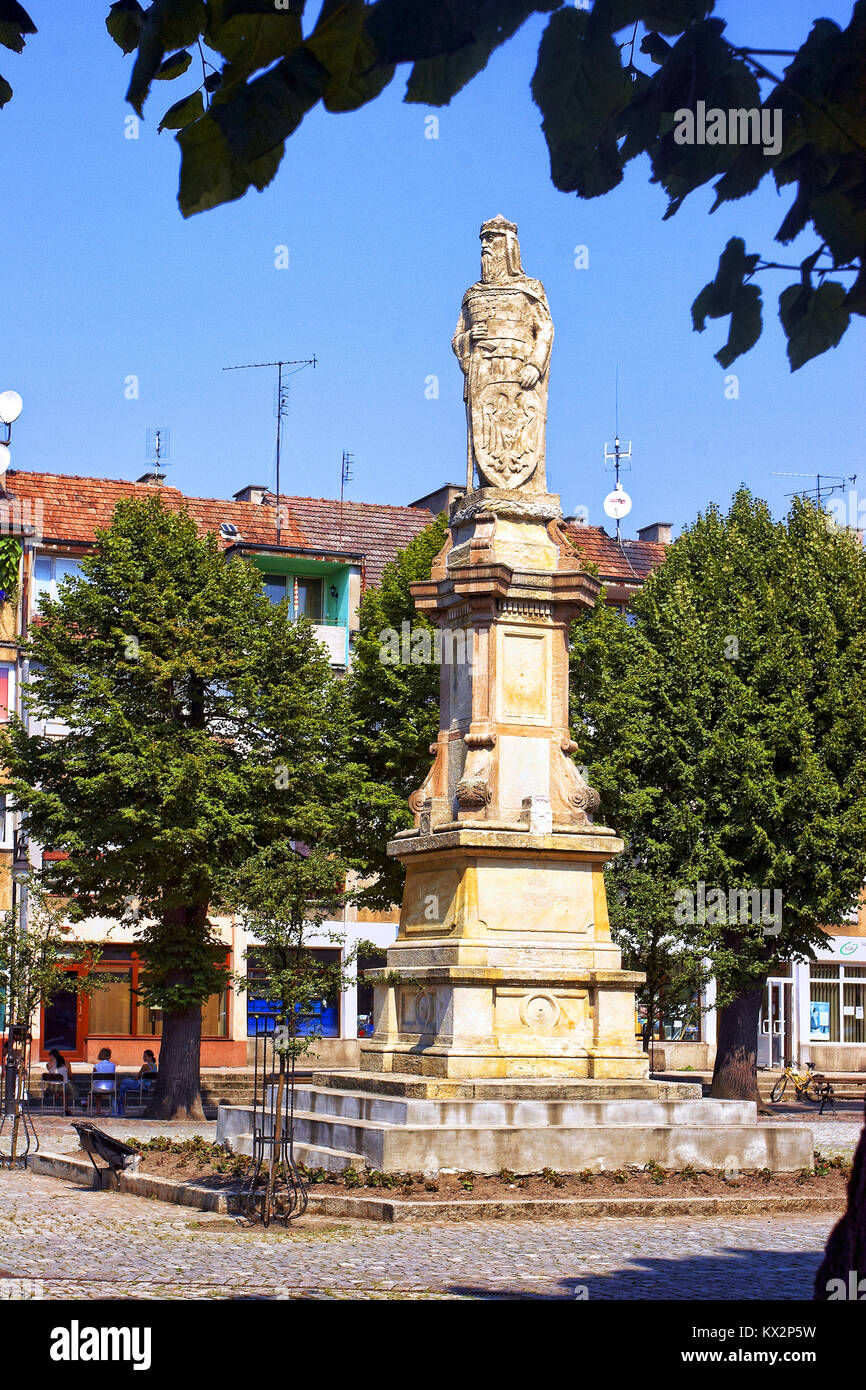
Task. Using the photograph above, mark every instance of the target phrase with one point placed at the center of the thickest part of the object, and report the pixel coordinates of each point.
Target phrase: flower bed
(202, 1162)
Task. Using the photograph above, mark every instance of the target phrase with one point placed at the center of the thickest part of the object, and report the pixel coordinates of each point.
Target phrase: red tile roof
(73, 507)
(628, 562)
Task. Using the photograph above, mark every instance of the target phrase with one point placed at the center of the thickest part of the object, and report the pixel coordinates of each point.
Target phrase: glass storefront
(115, 1009)
(837, 1003)
(322, 1016)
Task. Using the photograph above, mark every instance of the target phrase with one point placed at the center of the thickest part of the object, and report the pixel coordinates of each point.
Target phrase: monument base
(504, 965)
(404, 1123)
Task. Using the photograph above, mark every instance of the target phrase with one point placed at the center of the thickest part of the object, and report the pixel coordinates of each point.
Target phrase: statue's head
(500, 250)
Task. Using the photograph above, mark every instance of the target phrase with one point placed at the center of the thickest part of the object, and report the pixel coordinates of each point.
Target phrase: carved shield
(506, 431)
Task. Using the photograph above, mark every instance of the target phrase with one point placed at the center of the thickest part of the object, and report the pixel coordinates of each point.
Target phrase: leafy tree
(35, 955)
(726, 733)
(640, 894)
(204, 724)
(396, 707)
(604, 98)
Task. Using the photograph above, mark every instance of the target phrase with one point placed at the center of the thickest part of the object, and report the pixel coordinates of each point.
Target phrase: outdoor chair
(146, 1088)
(102, 1086)
(54, 1094)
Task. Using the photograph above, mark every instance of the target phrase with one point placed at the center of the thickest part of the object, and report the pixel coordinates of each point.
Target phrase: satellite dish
(11, 406)
(5, 457)
(617, 503)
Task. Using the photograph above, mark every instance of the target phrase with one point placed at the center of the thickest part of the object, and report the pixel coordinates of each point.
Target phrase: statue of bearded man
(503, 341)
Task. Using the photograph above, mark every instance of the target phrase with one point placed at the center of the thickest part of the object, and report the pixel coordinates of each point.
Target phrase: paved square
(97, 1245)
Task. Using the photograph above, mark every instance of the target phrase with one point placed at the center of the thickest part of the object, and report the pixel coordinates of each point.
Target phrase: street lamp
(20, 877)
(11, 406)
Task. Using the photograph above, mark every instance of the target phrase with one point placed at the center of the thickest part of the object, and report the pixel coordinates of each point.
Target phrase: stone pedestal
(504, 965)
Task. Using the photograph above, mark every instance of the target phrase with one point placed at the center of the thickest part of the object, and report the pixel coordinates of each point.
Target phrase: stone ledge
(555, 1208)
(185, 1194)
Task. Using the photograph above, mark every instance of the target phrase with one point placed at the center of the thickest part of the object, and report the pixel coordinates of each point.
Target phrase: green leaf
(813, 319)
(840, 221)
(183, 113)
(173, 66)
(716, 299)
(666, 16)
(167, 24)
(580, 88)
(406, 31)
(211, 175)
(341, 44)
(264, 112)
(251, 37)
(656, 47)
(15, 22)
(124, 22)
(434, 81)
(728, 295)
(745, 326)
(5, 91)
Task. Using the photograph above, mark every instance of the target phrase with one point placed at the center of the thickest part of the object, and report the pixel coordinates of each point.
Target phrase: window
(49, 571)
(308, 598)
(5, 692)
(111, 1006)
(275, 587)
(117, 1009)
(837, 1008)
(322, 1015)
(304, 592)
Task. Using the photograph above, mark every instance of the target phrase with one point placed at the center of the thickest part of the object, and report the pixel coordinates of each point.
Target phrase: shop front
(835, 1020)
(114, 1016)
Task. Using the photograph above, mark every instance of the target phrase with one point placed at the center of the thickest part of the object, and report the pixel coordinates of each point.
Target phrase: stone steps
(338, 1124)
(526, 1114)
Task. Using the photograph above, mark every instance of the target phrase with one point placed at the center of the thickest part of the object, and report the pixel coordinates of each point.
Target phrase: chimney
(659, 532)
(253, 492)
(154, 479)
(441, 500)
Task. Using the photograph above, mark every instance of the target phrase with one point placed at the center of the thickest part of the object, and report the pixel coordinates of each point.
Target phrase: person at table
(57, 1069)
(103, 1068)
(147, 1069)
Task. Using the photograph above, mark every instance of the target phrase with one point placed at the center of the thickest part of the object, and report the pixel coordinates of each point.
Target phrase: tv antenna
(617, 504)
(826, 484)
(346, 476)
(282, 409)
(158, 448)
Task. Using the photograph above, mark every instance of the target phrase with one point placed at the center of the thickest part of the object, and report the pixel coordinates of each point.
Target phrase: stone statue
(503, 341)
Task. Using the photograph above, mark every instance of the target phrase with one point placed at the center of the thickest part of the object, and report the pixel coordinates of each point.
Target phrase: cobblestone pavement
(98, 1245)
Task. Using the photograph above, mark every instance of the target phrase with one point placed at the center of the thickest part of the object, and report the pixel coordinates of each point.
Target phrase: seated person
(148, 1071)
(57, 1069)
(102, 1080)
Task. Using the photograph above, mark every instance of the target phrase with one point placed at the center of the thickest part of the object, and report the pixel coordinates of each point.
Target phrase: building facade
(320, 559)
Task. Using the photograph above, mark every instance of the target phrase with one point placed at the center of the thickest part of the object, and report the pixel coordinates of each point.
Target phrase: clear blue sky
(103, 279)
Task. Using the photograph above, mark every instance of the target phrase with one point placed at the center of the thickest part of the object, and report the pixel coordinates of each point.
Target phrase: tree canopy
(610, 82)
(395, 708)
(203, 724)
(726, 733)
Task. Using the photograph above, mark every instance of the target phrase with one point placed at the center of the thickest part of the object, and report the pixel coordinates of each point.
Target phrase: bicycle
(809, 1085)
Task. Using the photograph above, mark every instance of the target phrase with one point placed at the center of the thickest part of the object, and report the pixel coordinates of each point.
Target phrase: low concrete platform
(416, 1124)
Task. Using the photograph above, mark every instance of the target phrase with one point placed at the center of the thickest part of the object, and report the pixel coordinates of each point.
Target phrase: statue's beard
(494, 266)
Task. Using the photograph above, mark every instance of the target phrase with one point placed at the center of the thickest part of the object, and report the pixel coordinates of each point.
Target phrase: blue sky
(104, 279)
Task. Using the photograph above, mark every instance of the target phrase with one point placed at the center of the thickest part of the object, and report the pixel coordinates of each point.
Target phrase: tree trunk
(736, 1071)
(845, 1256)
(178, 1096)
